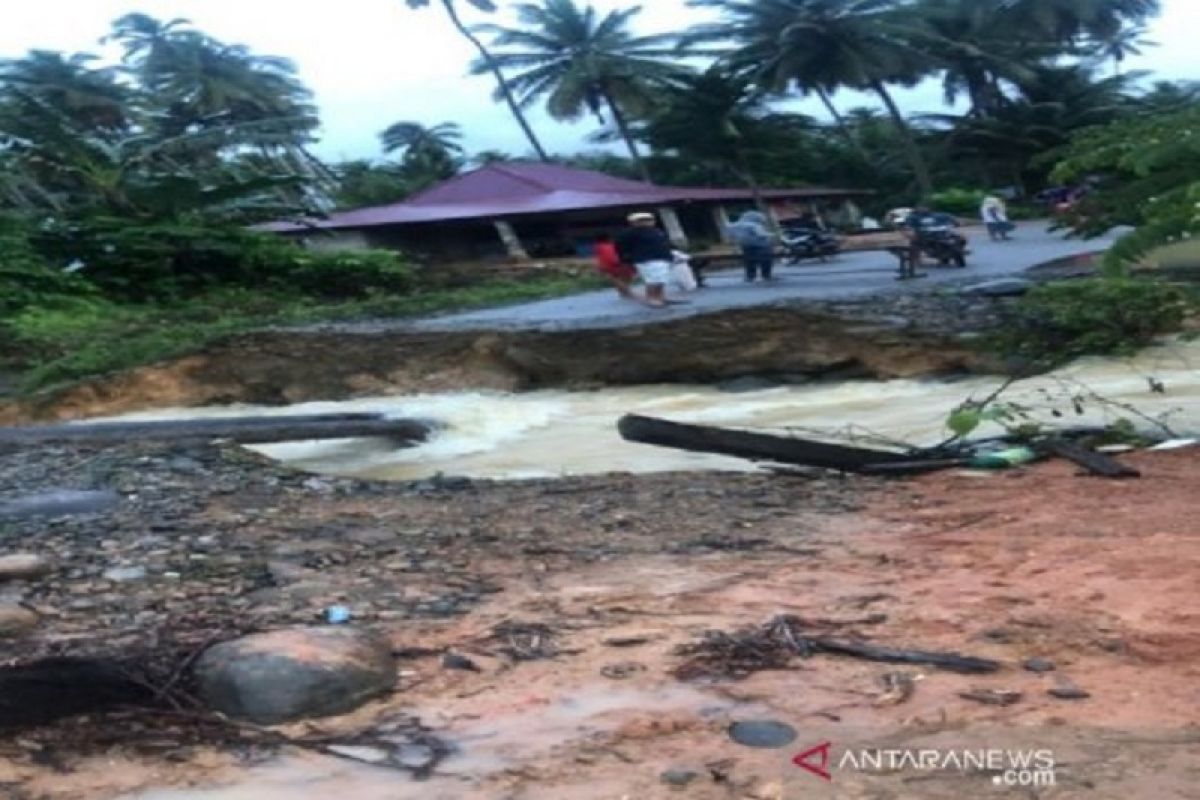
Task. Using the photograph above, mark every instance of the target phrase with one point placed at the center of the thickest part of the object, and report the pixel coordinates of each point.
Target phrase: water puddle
(488, 741)
(557, 433)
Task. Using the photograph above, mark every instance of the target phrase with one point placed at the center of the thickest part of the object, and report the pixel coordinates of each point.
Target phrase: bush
(962, 202)
(139, 262)
(1103, 316)
(349, 274)
(26, 280)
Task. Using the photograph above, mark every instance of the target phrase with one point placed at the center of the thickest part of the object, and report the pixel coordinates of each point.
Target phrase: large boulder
(24, 567)
(282, 676)
(16, 620)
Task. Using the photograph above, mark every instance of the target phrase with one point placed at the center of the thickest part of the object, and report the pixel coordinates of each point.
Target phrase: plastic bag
(682, 275)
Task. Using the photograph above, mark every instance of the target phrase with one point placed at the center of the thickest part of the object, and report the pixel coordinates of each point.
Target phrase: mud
(795, 342)
(1096, 576)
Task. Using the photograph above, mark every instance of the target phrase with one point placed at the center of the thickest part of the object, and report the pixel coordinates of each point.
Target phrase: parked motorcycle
(800, 243)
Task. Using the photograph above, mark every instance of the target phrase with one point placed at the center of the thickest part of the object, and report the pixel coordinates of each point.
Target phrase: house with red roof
(519, 210)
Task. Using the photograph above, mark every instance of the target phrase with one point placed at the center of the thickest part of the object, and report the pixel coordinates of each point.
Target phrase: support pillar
(773, 217)
(673, 226)
(854, 214)
(721, 218)
(512, 242)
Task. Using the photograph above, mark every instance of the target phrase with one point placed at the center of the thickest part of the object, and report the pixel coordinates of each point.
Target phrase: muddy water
(553, 433)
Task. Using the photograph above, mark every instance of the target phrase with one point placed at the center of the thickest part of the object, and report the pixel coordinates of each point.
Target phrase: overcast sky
(374, 62)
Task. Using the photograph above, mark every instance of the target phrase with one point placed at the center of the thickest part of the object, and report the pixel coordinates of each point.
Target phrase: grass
(68, 344)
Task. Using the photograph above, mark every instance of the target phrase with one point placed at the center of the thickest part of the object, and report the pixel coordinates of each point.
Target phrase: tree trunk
(920, 168)
(623, 128)
(505, 89)
(842, 126)
(753, 446)
(746, 175)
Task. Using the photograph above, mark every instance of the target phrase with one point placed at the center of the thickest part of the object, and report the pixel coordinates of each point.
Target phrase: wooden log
(1093, 462)
(955, 662)
(753, 446)
(245, 430)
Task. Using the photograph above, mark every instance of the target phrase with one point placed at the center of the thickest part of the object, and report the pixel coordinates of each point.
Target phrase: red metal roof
(516, 189)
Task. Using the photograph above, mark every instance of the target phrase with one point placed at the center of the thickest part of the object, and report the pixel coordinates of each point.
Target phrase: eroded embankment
(280, 367)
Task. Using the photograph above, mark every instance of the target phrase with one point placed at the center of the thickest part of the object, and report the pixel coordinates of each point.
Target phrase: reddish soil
(1097, 576)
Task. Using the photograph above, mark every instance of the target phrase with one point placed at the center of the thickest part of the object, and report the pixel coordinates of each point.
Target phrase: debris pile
(773, 646)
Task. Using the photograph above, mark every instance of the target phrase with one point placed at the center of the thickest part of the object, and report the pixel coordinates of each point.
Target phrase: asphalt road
(850, 275)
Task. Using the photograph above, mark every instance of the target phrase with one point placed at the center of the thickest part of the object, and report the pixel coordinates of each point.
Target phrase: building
(520, 211)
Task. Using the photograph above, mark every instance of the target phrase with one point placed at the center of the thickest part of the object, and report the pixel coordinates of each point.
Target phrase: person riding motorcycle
(927, 230)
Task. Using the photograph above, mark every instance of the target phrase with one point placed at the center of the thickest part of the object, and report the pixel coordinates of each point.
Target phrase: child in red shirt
(608, 261)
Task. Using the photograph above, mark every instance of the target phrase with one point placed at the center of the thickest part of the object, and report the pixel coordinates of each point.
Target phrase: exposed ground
(1096, 576)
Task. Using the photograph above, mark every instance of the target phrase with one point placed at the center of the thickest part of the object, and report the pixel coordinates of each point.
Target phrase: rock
(1039, 665)
(59, 502)
(124, 574)
(16, 620)
(762, 733)
(292, 674)
(1067, 689)
(677, 776)
(1002, 287)
(185, 464)
(24, 566)
(455, 661)
(992, 697)
(417, 757)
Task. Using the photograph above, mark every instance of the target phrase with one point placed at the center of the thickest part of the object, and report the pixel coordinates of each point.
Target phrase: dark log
(954, 662)
(57, 688)
(754, 446)
(917, 467)
(246, 430)
(1093, 462)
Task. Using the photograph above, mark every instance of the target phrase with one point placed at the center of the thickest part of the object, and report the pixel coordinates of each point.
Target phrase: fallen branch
(772, 646)
(1093, 462)
(955, 662)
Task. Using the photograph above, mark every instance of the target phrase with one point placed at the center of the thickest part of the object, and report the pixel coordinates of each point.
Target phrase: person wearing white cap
(649, 250)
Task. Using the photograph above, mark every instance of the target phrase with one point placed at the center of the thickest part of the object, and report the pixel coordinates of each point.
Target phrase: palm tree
(502, 85)
(1120, 44)
(1068, 21)
(713, 119)
(93, 97)
(973, 44)
(832, 44)
(579, 61)
(753, 28)
(431, 154)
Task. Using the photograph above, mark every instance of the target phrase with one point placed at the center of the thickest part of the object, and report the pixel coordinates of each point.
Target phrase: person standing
(995, 217)
(752, 234)
(609, 262)
(649, 250)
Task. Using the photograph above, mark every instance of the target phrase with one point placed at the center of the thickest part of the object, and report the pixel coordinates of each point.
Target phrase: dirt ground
(1098, 577)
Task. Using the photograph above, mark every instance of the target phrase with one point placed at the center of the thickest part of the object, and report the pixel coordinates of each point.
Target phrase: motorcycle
(800, 243)
(943, 244)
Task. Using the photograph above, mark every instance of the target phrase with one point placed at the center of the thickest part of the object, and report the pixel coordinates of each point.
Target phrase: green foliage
(188, 125)
(966, 419)
(26, 280)
(958, 201)
(1149, 171)
(1056, 322)
(348, 274)
(97, 338)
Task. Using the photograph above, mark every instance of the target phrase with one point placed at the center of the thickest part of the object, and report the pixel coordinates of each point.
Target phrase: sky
(375, 62)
